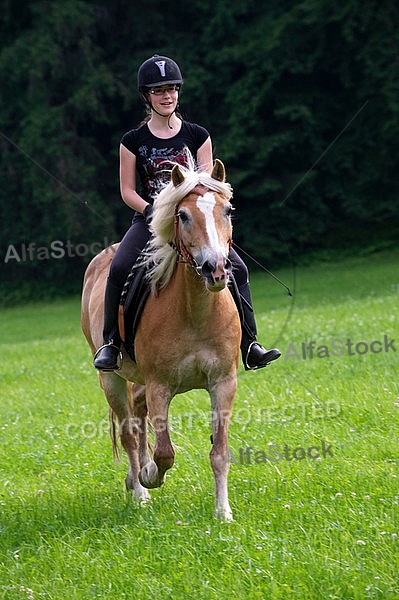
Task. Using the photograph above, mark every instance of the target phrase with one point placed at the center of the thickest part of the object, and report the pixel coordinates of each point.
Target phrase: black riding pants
(129, 249)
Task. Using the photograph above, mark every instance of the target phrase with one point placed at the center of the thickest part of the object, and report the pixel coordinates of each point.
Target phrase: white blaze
(206, 204)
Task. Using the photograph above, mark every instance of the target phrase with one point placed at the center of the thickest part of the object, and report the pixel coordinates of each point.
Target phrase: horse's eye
(228, 210)
(183, 216)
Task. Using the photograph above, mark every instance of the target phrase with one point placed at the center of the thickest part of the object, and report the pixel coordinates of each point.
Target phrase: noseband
(178, 244)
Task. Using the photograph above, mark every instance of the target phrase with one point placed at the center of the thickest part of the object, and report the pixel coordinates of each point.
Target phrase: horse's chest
(197, 368)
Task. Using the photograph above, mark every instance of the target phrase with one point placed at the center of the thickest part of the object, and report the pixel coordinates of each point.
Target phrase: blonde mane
(162, 257)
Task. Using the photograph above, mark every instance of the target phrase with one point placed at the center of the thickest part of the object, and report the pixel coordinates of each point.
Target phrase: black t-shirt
(154, 156)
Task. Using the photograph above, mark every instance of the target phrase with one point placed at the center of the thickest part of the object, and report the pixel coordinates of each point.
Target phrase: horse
(189, 333)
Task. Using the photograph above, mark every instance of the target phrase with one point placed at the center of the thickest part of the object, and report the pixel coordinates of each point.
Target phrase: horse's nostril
(207, 268)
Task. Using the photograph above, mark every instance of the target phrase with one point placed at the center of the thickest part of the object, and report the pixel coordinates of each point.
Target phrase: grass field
(305, 527)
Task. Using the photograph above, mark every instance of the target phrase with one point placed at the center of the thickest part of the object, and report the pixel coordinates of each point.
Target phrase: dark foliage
(301, 99)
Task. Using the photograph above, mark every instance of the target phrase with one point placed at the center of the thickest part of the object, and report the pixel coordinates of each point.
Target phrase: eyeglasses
(165, 89)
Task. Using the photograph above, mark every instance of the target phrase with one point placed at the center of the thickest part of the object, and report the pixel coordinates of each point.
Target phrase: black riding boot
(254, 356)
(106, 357)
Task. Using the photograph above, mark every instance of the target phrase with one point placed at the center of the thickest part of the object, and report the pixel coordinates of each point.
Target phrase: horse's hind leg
(222, 395)
(116, 391)
(139, 409)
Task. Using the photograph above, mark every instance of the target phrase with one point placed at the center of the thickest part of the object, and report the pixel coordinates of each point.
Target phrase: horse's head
(203, 228)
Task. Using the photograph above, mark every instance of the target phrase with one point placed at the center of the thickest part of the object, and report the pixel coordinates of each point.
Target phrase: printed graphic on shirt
(158, 164)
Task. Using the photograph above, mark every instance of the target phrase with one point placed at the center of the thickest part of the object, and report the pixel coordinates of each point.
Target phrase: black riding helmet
(156, 71)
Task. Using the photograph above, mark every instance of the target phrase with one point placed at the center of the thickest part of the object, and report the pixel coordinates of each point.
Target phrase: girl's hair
(148, 116)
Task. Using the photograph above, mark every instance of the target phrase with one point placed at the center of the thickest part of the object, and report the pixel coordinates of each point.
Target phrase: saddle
(133, 298)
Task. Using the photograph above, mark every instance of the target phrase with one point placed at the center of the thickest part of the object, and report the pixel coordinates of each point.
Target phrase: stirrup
(260, 366)
(111, 345)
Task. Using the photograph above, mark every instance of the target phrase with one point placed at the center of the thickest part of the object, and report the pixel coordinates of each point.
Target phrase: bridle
(178, 245)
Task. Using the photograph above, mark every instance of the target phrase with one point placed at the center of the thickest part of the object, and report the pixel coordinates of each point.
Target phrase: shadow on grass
(31, 520)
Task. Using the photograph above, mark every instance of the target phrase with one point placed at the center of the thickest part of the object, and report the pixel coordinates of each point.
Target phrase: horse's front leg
(222, 396)
(158, 398)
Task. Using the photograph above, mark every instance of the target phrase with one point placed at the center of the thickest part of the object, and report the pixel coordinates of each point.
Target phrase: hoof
(224, 514)
(139, 492)
(149, 476)
(141, 496)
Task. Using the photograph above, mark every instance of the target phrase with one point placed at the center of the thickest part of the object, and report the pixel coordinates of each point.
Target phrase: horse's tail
(114, 433)
(113, 430)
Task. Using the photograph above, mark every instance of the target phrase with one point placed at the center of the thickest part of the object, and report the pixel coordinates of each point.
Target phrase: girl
(164, 138)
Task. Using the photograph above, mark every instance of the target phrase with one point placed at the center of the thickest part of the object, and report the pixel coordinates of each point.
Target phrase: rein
(179, 247)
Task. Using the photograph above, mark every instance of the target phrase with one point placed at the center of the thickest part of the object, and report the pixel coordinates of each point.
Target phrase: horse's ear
(218, 171)
(177, 176)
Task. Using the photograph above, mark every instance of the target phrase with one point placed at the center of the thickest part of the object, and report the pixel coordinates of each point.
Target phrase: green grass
(304, 529)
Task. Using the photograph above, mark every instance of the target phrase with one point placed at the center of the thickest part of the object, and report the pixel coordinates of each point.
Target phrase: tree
(301, 99)
(296, 82)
